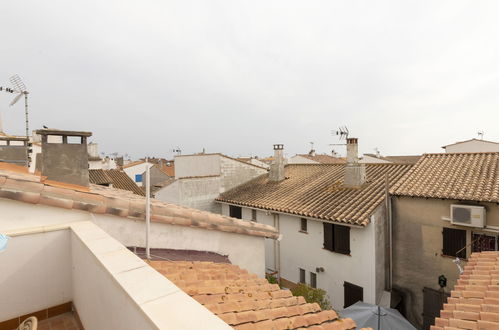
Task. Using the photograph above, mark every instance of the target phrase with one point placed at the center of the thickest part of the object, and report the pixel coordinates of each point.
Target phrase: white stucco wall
(248, 252)
(300, 250)
(35, 273)
(197, 165)
(137, 169)
(473, 146)
(220, 174)
(18, 215)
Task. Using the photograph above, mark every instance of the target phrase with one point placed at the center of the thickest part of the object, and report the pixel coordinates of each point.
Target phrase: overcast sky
(146, 76)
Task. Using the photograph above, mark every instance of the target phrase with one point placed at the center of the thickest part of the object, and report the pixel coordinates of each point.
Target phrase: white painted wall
(18, 215)
(35, 273)
(137, 169)
(248, 252)
(473, 146)
(197, 192)
(197, 165)
(300, 250)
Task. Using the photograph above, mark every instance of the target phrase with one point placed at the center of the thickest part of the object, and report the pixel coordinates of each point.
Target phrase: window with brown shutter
(337, 238)
(352, 293)
(453, 241)
(235, 212)
(303, 225)
(313, 280)
(302, 275)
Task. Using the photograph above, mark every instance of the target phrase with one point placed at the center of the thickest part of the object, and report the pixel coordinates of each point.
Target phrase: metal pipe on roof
(148, 209)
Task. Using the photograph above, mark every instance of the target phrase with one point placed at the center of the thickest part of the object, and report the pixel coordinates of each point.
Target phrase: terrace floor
(64, 321)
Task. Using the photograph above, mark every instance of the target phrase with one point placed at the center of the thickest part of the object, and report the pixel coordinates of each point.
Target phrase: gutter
(294, 215)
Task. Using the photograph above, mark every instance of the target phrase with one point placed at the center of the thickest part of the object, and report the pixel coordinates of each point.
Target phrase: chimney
(14, 149)
(277, 166)
(64, 156)
(355, 173)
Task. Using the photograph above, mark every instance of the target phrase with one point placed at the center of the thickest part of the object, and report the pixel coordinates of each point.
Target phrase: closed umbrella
(376, 317)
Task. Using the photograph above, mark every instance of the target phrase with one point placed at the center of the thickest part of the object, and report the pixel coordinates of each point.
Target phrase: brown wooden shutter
(453, 241)
(352, 294)
(328, 236)
(342, 239)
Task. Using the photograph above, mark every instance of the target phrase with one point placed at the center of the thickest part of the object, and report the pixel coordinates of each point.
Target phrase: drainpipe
(277, 248)
(388, 206)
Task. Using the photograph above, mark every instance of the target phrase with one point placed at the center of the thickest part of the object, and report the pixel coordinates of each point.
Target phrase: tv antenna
(21, 91)
(177, 151)
(480, 134)
(342, 132)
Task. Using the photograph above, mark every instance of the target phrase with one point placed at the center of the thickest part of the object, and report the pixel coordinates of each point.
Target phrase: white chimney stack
(355, 173)
(277, 167)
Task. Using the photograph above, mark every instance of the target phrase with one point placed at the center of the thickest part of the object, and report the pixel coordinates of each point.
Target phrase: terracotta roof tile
(245, 301)
(474, 302)
(118, 178)
(315, 190)
(22, 186)
(461, 176)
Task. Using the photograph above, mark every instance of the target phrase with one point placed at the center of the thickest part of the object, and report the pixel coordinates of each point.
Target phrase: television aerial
(480, 134)
(342, 132)
(20, 90)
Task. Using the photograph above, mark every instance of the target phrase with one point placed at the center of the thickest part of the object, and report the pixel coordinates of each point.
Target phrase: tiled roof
(122, 181)
(17, 184)
(245, 301)
(316, 190)
(461, 176)
(99, 177)
(474, 302)
(119, 180)
(324, 159)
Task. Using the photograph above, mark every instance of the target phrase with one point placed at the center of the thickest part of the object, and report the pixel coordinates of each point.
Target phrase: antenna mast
(16, 81)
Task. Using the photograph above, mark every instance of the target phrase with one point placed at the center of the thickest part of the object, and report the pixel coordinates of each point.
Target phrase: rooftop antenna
(177, 151)
(20, 88)
(480, 134)
(342, 132)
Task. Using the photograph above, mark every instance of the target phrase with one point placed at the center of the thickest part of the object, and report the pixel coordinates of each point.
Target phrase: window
(313, 280)
(302, 275)
(235, 211)
(138, 177)
(352, 294)
(454, 240)
(303, 225)
(482, 242)
(337, 238)
(253, 215)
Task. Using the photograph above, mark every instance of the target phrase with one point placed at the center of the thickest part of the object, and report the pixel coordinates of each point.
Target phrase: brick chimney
(355, 173)
(64, 156)
(277, 166)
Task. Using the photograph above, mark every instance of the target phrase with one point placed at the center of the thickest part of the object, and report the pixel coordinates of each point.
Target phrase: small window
(483, 242)
(454, 242)
(235, 211)
(253, 215)
(302, 275)
(352, 294)
(138, 177)
(313, 280)
(303, 225)
(337, 238)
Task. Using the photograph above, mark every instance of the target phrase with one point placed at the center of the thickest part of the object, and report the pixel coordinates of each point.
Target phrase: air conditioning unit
(467, 215)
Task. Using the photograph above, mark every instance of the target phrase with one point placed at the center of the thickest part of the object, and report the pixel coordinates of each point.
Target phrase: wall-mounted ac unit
(467, 215)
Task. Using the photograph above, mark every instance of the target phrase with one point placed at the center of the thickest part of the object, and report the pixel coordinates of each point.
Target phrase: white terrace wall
(248, 252)
(35, 273)
(197, 165)
(305, 250)
(132, 171)
(18, 215)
